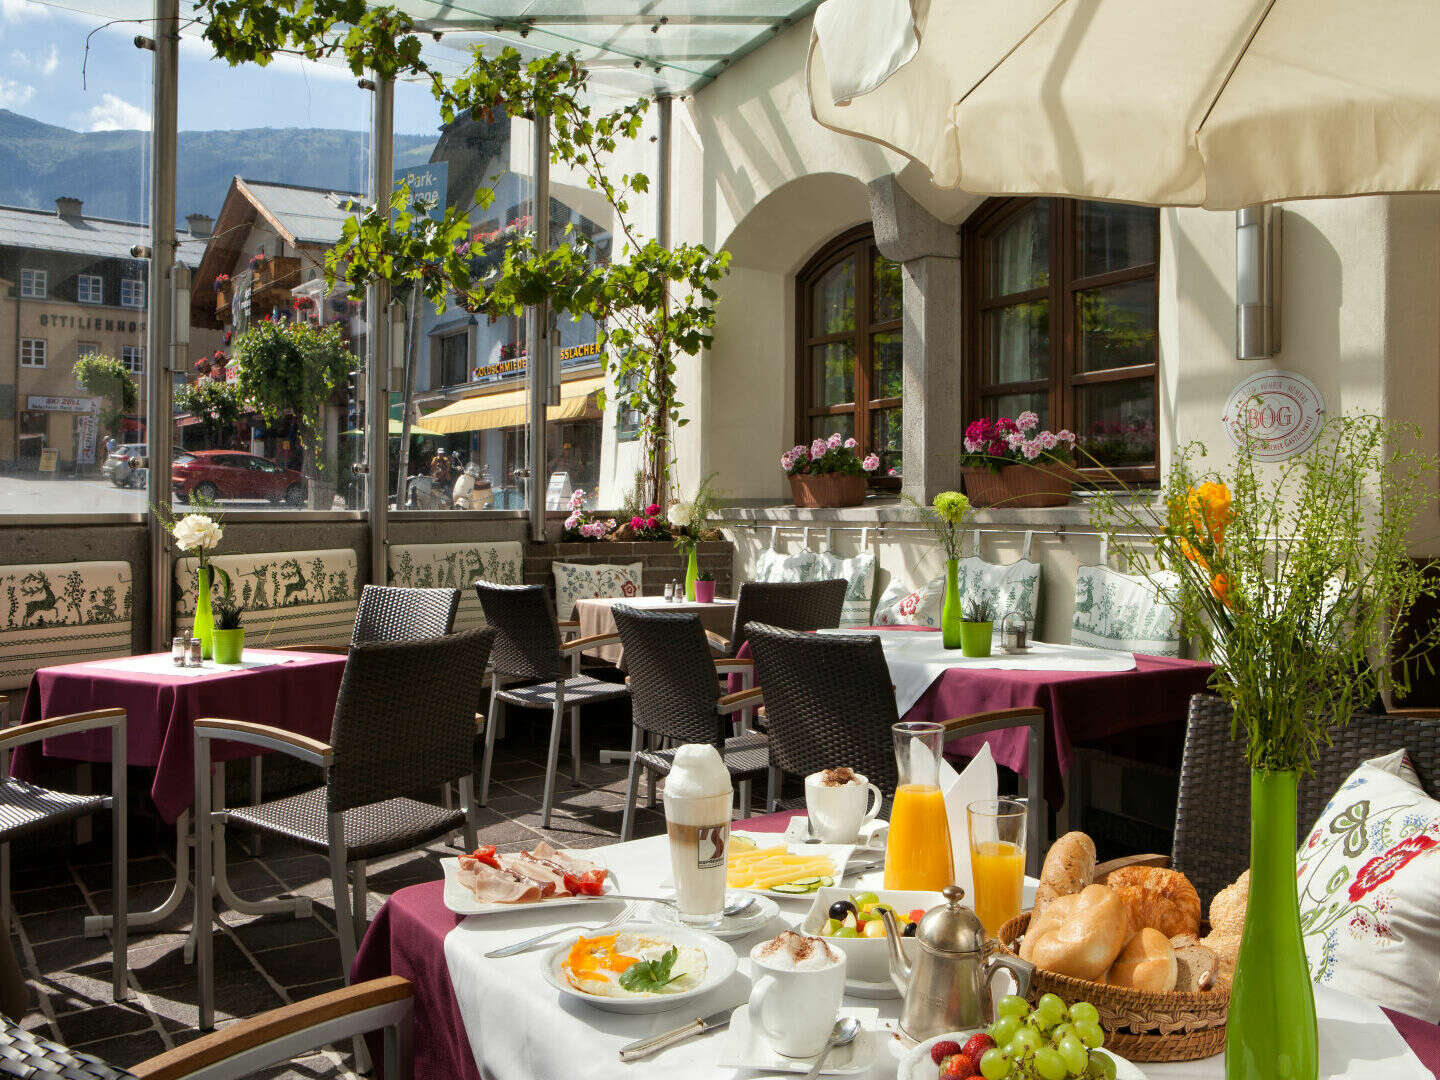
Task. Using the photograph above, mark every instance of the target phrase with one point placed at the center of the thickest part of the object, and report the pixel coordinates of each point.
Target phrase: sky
(45, 74)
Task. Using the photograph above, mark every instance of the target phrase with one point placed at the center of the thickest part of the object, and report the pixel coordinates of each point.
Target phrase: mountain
(109, 169)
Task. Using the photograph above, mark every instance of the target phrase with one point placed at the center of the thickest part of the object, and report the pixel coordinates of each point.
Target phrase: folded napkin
(864, 42)
(978, 781)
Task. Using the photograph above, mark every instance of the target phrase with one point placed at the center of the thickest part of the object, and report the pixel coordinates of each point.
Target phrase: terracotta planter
(1020, 485)
(827, 489)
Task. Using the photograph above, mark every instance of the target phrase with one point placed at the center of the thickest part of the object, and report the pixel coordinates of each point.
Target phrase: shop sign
(505, 367)
(1278, 414)
(49, 459)
(87, 429)
(578, 352)
(428, 185)
(91, 322)
(48, 403)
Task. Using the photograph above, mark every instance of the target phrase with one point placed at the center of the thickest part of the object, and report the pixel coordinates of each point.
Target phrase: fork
(521, 946)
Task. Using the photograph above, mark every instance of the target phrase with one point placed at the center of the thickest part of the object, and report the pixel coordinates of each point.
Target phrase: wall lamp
(1258, 253)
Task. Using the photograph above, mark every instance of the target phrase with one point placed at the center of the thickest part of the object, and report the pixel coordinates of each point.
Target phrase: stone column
(928, 250)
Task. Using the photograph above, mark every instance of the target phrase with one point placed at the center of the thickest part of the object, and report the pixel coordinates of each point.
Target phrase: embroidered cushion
(290, 597)
(1369, 882)
(859, 572)
(457, 566)
(61, 613)
(1124, 613)
(1006, 588)
(771, 565)
(921, 607)
(576, 580)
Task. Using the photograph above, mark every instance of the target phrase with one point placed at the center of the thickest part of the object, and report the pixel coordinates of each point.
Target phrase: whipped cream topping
(792, 951)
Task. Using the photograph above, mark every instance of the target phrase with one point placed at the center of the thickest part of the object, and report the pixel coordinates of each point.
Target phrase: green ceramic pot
(950, 614)
(692, 572)
(204, 622)
(975, 638)
(229, 644)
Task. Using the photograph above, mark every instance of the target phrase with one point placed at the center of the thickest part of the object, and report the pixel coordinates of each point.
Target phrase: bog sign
(1277, 413)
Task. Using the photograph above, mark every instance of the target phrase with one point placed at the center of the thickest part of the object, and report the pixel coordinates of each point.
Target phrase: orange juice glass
(917, 849)
(997, 859)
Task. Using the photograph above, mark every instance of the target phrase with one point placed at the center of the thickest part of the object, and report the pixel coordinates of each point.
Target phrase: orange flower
(1209, 507)
(1193, 554)
(1220, 586)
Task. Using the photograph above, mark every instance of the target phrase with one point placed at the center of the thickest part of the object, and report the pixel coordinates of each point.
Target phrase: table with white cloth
(499, 1019)
(596, 617)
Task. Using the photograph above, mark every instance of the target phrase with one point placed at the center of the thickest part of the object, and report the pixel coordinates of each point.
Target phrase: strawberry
(958, 1067)
(976, 1045)
(943, 1049)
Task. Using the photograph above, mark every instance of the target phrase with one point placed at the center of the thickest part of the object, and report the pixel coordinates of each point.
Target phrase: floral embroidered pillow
(919, 608)
(574, 581)
(1369, 882)
(859, 574)
(771, 565)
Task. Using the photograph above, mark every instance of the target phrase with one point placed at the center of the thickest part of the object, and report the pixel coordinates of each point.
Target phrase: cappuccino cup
(842, 806)
(799, 984)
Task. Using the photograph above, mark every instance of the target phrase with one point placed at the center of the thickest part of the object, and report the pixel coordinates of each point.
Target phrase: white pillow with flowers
(574, 581)
(1369, 881)
(921, 607)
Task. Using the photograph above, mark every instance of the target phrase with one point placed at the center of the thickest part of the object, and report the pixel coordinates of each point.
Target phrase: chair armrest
(59, 725)
(270, 738)
(351, 1010)
(580, 644)
(719, 642)
(332, 650)
(1414, 714)
(731, 666)
(1110, 866)
(994, 720)
(741, 699)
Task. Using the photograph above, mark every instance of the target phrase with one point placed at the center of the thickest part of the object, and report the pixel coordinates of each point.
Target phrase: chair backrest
(790, 605)
(673, 684)
(1212, 817)
(828, 702)
(389, 613)
(527, 638)
(405, 718)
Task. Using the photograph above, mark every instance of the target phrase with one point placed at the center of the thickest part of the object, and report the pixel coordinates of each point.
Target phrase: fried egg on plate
(594, 964)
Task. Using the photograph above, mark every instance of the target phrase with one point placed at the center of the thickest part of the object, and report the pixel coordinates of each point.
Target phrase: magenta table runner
(161, 710)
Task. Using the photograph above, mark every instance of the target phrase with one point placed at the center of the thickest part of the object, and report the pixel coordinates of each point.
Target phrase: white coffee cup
(794, 1010)
(838, 813)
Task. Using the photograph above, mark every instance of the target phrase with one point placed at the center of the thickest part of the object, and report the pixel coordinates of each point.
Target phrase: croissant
(1162, 899)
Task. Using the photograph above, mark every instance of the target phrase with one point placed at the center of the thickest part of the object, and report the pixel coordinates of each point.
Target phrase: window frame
(32, 290)
(43, 352)
(138, 285)
(133, 357)
(1066, 376)
(857, 241)
(84, 283)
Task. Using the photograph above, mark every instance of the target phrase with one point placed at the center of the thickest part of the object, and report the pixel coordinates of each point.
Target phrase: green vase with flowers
(196, 536)
(945, 515)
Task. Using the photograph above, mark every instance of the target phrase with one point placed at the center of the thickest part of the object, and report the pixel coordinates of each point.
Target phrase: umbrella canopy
(397, 429)
(1221, 104)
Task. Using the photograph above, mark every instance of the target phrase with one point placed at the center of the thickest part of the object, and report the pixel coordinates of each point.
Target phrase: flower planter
(229, 645)
(1020, 485)
(704, 591)
(827, 489)
(975, 638)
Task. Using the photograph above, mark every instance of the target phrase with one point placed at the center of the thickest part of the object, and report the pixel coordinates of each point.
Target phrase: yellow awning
(510, 409)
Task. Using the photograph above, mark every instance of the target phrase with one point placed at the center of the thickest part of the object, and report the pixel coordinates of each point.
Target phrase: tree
(217, 405)
(110, 380)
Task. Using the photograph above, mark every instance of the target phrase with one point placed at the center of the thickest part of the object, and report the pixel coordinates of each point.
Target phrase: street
(36, 494)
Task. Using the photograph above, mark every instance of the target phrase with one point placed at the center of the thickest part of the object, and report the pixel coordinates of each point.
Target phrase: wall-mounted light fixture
(1258, 232)
(179, 314)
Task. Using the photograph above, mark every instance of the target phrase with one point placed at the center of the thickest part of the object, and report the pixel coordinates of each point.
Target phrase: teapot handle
(1022, 971)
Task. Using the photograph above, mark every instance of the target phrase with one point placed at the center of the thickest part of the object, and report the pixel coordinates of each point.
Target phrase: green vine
(216, 404)
(111, 380)
(285, 368)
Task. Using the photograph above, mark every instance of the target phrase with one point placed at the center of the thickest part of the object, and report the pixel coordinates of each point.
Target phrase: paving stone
(77, 1029)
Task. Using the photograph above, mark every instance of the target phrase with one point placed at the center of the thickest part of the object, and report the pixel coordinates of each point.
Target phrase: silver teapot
(948, 986)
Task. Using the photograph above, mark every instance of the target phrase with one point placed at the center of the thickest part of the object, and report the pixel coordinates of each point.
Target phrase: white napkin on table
(978, 781)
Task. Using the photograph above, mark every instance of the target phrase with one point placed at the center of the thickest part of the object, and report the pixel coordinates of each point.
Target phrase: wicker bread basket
(1139, 1025)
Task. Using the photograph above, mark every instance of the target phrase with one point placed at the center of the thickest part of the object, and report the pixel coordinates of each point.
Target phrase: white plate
(838, 854)
(720, 964)
(745, 1048)
(735, 926)
(461, 900)
(916, 1064)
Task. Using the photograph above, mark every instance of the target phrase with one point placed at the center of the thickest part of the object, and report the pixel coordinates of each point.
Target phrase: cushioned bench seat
(61, 613)
(457, 566)
(290, 597)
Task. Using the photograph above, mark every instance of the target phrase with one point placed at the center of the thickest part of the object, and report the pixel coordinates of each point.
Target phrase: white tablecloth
(916, 658)
(520, 1028)
(161, 664)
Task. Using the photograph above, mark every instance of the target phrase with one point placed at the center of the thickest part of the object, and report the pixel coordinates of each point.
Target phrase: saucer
(736, 926)
(885, 988)
(745, 1048)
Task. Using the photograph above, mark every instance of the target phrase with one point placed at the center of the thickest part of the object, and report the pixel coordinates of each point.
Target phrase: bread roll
(1163, 900)
(1078, 935)
(1227, 924)
(1146, 963)
(1069, 867)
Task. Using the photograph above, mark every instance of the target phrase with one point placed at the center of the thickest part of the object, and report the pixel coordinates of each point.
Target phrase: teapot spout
(899, 966)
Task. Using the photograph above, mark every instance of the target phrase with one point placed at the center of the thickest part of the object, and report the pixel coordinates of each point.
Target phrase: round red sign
(1277, 414)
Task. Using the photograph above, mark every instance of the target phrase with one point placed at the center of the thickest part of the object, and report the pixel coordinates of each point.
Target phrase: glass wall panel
(74, 184)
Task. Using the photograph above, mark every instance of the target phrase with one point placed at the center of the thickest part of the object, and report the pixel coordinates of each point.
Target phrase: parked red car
(234, 474)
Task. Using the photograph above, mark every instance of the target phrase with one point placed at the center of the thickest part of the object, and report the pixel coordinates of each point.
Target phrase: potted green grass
(976, 628)
(229, 634)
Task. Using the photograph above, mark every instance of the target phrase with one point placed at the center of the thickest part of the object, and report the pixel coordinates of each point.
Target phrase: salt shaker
(178, 648)
(677, 591)
(194, 654)
(669, 592)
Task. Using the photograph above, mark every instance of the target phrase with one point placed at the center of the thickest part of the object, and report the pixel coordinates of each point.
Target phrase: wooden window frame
(857, 241)
(37, 348)
(1066, 377)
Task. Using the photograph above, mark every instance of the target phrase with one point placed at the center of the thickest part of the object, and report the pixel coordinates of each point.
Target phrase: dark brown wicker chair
(1212, 816)
(790, 605)
(377, 755)
(390, 613)
(528, 651)
(675, 696)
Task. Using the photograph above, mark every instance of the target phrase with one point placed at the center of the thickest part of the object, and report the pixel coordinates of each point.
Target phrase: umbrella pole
(403, 464)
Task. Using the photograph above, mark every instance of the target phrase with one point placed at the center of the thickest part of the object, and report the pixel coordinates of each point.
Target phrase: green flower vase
(692, 572)
(951, 618)
(204, 627)
(1271, 1033)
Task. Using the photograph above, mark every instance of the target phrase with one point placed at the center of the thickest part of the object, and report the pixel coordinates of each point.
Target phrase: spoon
(737, 904)
(842, 1034)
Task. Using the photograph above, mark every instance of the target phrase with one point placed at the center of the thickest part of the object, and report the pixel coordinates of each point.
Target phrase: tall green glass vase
(951, 614)
(692, 572)
(1271, 1033)
(204, 622)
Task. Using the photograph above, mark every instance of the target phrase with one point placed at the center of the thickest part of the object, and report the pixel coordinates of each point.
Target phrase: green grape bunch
(1047, 1042)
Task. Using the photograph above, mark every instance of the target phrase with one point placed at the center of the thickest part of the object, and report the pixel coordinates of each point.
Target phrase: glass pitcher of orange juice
(917, 849)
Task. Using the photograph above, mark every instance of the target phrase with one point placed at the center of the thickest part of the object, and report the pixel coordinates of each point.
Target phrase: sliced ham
(525, 876)
(493, 886)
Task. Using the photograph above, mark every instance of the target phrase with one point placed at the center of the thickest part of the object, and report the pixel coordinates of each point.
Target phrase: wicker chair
(394, 613)
(528, 650)
(675, 695)
(829, 701)
(1212, 816)
(791, 605)
(376, 756)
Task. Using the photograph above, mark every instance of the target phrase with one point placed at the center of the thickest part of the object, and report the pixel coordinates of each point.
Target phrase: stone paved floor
(266, 961)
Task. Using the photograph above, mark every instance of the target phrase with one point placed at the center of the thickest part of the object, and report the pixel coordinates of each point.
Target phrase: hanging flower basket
(827, 489)
(1019, 485)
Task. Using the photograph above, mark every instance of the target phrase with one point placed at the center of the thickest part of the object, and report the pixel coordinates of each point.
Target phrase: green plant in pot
(944, 517)
(229, 632)
(976, 627)
(705, 587)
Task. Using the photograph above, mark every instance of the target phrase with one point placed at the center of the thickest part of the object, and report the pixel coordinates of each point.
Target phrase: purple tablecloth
(161, 711)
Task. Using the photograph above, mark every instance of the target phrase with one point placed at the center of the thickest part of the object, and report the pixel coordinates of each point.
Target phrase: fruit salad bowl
(867, 960)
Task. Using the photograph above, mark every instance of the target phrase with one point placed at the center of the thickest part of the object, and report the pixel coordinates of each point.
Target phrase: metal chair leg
(627, 823)
(772, 789)
(492, 721)
(552, 760)
(467, 801)
(742, 791)
(575, 744)
(1035, 793)
(344, 920)
(256, 842)
(6, 906)
(120, 854)
(360, 903)
(204, 885)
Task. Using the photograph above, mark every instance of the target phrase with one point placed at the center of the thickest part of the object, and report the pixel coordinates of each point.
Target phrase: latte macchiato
(697, 821)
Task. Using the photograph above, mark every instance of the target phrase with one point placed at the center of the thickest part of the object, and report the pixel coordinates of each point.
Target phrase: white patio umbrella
(1215, 103)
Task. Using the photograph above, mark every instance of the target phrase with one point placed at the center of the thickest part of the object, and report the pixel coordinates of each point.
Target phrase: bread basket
(1139, 1024)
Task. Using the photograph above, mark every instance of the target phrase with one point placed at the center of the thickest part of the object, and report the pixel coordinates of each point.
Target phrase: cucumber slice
(792, 888)
(826, 882)
(810, 882)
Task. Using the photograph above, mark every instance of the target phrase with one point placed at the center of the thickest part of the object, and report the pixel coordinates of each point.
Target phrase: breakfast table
(499, 1019)
(595, 617)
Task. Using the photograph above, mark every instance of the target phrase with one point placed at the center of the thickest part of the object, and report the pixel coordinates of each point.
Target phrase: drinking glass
(917, 851)
(997, 859)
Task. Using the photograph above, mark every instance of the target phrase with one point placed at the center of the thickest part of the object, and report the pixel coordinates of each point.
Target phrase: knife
(653, 1045)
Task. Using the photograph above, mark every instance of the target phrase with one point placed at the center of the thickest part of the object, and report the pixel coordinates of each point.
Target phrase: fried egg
(594, 964)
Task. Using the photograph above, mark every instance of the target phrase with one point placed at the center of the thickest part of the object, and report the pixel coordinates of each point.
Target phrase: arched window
(848, 358)
(1061, 317)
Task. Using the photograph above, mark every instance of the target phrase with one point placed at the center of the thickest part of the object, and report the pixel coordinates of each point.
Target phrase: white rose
(196, 532)
(680, 513)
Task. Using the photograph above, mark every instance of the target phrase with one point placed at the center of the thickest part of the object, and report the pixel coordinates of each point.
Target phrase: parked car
(111, 469)
(234, 474)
